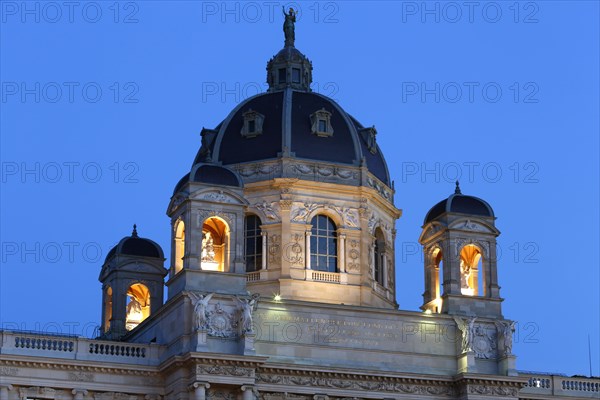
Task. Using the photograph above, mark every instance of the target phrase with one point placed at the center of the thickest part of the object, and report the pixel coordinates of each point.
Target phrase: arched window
(470, 269)
(379, 269)
(439, 279)
(323, 244)
(215, 243)
(179, 245)
(253, 240)
(138, 305)
(107, 308)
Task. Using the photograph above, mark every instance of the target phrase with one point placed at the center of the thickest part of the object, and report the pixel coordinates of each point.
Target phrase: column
(79, 393)
(248, 392)
(307, 249)
(264, 250)
(200, 390)
(372, 252)
(4, 391)
(342, 253)
(384, 270)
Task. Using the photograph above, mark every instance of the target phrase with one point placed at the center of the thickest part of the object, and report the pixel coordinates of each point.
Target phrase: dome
(286, 127)
(136, 246)
(296, 131)
(461, 204)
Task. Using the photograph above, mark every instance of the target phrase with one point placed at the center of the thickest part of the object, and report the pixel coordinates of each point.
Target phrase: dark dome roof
(462, 204)
(136, 246)
(212, 174)
(217, 175)
(287, 130)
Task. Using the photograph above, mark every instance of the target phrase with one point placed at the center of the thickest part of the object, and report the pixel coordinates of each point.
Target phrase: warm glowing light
(210, 266)
(277, 297)
(438, 305)
(428, 311)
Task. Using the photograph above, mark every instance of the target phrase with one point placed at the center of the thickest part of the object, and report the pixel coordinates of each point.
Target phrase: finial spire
(134, 233)
(289, 27)
(457, 190)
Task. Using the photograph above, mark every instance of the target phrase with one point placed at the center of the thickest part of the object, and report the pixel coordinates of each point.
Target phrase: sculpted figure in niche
(134, 310)
(465, 275)
(200, 303)
(468, 330)
(208, 250)
(506, 330)
(247, 307)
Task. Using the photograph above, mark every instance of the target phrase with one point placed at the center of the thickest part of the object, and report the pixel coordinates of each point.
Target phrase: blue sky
(103, 102)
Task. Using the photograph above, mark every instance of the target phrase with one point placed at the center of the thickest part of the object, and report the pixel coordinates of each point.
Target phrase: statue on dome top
(289, 27)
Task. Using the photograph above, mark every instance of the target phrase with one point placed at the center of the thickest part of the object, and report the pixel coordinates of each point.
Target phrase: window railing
(322, 276)
(253, 276)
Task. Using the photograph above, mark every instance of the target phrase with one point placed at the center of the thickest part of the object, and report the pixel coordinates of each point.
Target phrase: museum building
(281, 283)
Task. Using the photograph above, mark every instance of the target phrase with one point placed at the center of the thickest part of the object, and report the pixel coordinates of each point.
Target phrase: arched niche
(108, 304)
(215, 245)
(471, 270)
(179, 245)
(138, 305)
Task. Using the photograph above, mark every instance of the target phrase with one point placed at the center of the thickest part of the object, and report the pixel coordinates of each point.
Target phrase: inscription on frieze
(354, 331)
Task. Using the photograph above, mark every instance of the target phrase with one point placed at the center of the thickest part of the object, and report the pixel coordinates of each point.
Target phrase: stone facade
(281, 283)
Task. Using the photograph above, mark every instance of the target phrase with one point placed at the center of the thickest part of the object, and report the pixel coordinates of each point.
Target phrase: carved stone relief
(274, 250)
(215, 394)
(300, 211)
(460, 243)
(80, 376)
(228, 370)
(379, 187)
(219, 197)
(221, 323)
(270, 210)
(349, 384)
(477, 338)
(256, 170)
(294, 250)
(9, 371)
(353, 256)
(227, 216)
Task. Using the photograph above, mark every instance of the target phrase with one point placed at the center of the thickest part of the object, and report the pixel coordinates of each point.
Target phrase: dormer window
(253, 124)
(321, 123)
(295, 75)
(369, 136)
(282, 77)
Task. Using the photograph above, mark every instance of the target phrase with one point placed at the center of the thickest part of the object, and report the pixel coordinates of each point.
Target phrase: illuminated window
(323, 244)
(253, 239)
(470, 269)
(439, 279)
(107, 308)
(215, 242)
(179, 245)
(138, 305)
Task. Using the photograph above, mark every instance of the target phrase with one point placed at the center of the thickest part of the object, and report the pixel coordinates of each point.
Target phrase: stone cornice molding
(70, 365)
